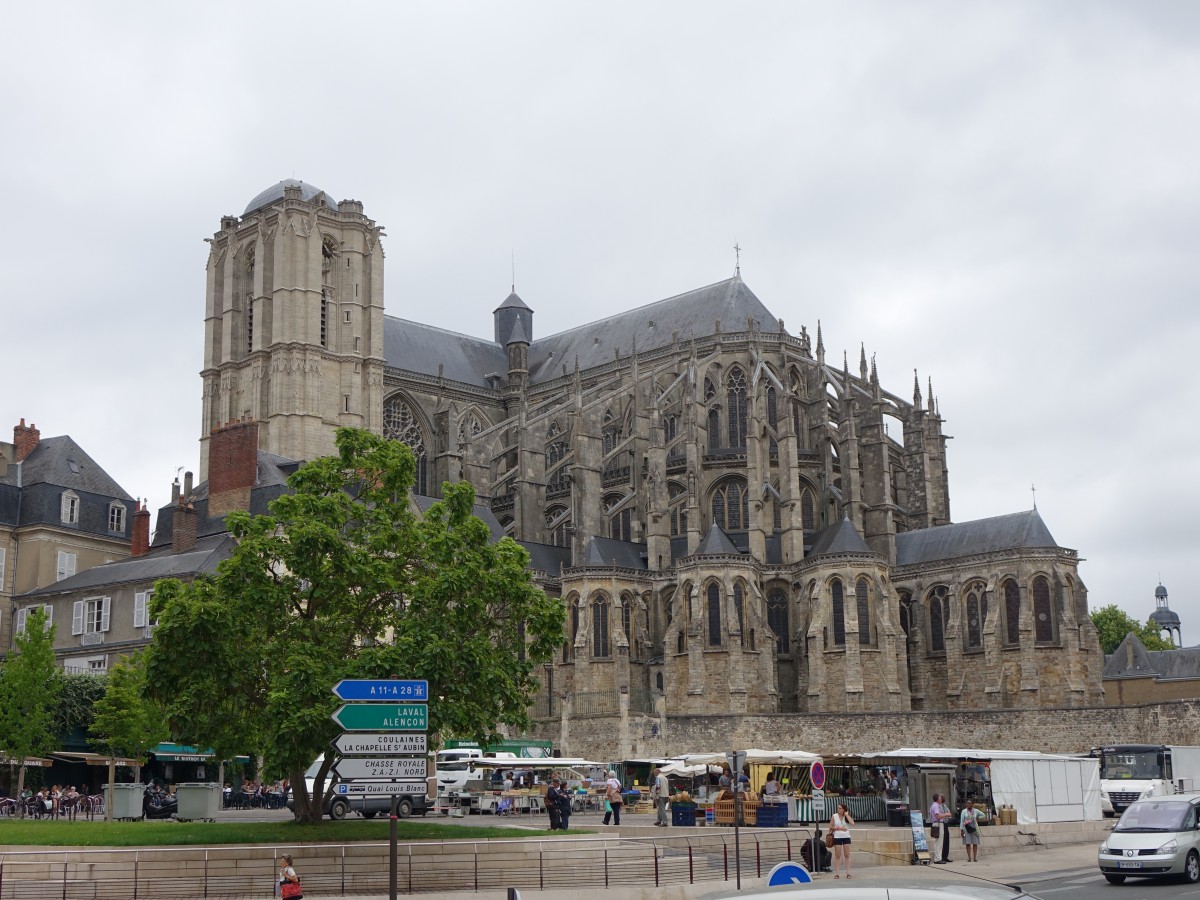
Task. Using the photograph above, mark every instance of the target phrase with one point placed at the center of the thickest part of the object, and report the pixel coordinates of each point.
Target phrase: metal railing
(349, 869)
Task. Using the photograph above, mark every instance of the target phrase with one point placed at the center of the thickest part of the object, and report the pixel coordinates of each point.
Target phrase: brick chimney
(183, 528)
(141, 530)
(25, 439)
(232, 466)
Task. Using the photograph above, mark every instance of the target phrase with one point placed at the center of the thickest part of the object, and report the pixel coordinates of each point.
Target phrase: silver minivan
(1154, 837)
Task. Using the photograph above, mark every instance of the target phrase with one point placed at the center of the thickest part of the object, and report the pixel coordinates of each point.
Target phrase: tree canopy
(29, 694)
(343, 580)
(126, 723)
(1113, 623)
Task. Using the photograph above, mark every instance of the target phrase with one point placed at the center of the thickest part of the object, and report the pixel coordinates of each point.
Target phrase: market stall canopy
(540, 762)
(956, 753)
(753, 758)
(677, 767)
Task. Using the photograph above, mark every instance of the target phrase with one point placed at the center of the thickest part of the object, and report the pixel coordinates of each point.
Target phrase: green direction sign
(382, 716)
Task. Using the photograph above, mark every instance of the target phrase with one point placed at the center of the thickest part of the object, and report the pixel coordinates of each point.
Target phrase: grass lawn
(45, 833)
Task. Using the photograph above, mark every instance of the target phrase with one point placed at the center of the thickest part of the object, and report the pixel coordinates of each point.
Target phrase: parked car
(1155, 837)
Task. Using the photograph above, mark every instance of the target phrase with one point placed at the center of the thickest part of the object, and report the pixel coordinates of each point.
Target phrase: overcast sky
(1003, 196)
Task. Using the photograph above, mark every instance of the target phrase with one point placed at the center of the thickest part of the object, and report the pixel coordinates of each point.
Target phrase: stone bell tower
(293, 322)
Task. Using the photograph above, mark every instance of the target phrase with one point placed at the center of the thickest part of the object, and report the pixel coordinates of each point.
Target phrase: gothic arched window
(730, 506)
(735, 394)
(622, 525)
(560, 478)
(905, 612)
(1043, 619)
(777, 619)
(939, 617)
(469, 426)
(862, 601)
(627, 618)
(714, 616)
(976, 613)
(739, 604)
(714, 429)
(573, 622)
(400, 424)
(808, 511)
(839, 613)
(600, 645)
(1012, 611)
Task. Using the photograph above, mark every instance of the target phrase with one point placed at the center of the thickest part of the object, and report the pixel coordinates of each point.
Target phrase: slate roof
(841, 537)
(602, 551)
(546, 557)
(415, 347)
(1131, 660)
(716, 543)
(207, 554)
(62, 462)
(1016, 531)
(512, 301)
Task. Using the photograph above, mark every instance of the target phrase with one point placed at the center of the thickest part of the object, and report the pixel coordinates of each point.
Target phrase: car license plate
(1129, 864)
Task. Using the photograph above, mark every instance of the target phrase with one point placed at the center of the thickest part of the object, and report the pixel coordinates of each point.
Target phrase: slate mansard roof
(415, 347)
(1016, 531)
(1131, 659)
(31, 491)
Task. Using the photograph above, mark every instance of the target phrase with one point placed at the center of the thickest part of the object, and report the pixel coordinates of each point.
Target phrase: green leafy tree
(29, 695)
(1113, 623)
(343, 580)
(126, 722)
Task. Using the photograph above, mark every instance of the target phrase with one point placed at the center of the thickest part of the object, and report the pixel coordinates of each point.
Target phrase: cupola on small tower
(1164, 618)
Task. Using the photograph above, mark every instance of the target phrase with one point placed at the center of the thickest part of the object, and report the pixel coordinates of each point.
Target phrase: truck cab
(456, 767)
(1130, 772)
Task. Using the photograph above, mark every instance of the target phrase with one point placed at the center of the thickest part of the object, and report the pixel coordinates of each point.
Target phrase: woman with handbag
(289, 882)
(968, 824)
(839, 827)
(613, 799)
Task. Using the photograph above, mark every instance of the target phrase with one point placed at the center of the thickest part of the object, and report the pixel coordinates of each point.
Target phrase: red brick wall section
(183, 529)
(232, 466)
(141, 530)
(25, 439)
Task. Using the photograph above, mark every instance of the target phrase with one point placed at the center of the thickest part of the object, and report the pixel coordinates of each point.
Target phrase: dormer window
(70, 508)
(116, 518)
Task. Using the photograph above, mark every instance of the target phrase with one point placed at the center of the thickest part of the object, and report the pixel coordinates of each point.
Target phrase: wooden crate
(724, 811)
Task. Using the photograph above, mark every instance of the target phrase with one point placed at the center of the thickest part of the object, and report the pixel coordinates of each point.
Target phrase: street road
(1093, 886)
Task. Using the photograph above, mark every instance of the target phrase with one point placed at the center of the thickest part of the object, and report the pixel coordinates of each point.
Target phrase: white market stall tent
(1042, 787)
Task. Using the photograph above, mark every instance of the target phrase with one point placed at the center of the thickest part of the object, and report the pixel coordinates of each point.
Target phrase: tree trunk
(21, 788)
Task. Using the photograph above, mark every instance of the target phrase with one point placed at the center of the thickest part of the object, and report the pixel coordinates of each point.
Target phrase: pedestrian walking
(612, 799)
(968, 826)
(289, 881)
(660, 791)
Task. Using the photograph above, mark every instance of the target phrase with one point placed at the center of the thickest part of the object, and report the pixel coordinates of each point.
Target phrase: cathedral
(737, 523)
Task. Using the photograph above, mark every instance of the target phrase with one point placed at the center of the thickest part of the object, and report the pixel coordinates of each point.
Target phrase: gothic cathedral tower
(293, 327)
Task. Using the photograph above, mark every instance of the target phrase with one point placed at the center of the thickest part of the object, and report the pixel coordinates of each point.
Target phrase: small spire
(820, 340)
(917, 403)
(874, 372)
(1033, 490)
(737, 260)
(862, 361)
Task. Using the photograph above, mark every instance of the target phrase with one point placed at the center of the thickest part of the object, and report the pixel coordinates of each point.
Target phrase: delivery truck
(1130, 772)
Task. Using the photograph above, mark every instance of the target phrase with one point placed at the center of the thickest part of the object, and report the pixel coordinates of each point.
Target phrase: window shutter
(21, 615)
(105, 609)
(70, 565)
(3, 554)
(77, 617)
(139, 609)
(49, 610)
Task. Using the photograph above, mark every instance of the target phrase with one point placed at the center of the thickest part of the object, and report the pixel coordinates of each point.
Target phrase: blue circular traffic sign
(788, 873)
(818, 775)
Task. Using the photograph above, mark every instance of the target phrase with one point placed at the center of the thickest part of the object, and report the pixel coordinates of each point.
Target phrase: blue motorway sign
(393, 689)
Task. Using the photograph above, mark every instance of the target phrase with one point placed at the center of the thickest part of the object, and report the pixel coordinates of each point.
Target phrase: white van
(455, 768)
